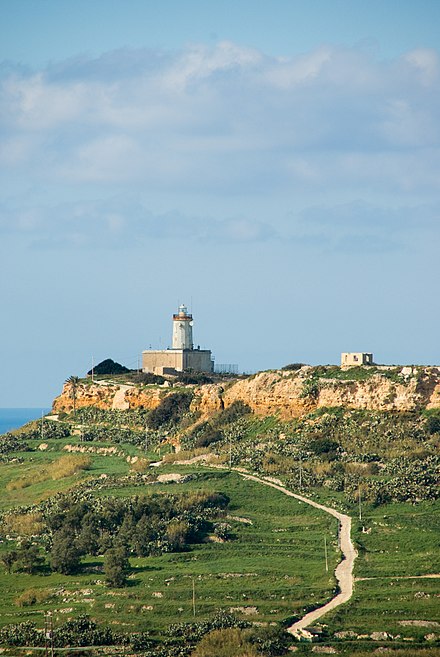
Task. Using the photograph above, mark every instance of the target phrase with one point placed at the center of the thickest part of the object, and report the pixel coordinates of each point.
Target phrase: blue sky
(274, 164)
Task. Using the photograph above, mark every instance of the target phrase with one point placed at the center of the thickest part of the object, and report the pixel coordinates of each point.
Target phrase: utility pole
(93, 367)
(230, 453)
(46, 646)
(360, 503)
(300, 474)
(42, 425)
(194, 596)
(326, 556)
(51, 635)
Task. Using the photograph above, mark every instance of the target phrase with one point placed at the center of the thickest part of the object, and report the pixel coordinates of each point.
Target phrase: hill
(150, 471)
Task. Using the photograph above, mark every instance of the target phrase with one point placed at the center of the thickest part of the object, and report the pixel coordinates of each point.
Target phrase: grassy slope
(275, 564)
(402, 541)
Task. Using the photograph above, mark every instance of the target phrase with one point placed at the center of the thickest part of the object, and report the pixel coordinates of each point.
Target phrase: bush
(433, 424)
(21, 634)
(230, 642)
(23, 524)
(272, 641)
(32, 597)
(170, 410)
(108, 366)
(193, 378)
(82, 631)
(147, 378)
(293, 366)
(66, 466)
(10, 443)
(324, 447)
(208, 436)
(233, 412)
(141, 465)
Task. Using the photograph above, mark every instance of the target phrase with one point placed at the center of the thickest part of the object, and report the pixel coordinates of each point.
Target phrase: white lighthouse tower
(182, 329)
(182, 357)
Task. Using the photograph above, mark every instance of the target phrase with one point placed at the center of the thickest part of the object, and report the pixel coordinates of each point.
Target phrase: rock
(278, 393)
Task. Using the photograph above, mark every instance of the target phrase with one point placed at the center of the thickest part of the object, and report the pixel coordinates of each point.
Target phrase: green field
(273, 568)
(270, 572)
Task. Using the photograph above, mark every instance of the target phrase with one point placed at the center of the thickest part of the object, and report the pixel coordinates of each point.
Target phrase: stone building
(356, 358)
(182, 356)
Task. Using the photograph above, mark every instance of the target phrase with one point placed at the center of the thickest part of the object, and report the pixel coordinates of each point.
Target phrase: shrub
(23, 524)
(21, 634)
(324, 447)
(32, 597)
(433, 424)
(229, 642)
(147, 378)
(272, 641)
(310, 388)
(170, 410)
(108, 366)
(82, 631)
(176, 534)
(10, 443)
(141, 465)
(233, 412)
(66, 466)
(194, 378)
(293, 366)
(208, 436)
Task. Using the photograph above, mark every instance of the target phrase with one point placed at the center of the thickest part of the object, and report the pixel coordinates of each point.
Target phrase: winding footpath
(344, 570)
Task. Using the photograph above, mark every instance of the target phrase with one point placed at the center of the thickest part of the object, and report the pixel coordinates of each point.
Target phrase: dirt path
(368, 579)
(344, 570)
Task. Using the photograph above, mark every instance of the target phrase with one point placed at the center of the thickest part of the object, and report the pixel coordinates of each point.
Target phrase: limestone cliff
(283, 393)
(293, 394)
(107, 396)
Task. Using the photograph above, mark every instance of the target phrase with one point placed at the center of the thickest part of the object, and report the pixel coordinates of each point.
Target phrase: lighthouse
(182, 329)
(182, 356)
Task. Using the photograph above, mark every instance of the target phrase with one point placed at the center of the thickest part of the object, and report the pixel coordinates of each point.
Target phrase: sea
(13, 418)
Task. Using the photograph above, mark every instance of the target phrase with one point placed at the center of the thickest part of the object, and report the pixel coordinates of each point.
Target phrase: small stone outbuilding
(356, 358)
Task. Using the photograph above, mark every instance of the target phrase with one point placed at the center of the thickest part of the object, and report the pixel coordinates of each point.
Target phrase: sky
(273, 165)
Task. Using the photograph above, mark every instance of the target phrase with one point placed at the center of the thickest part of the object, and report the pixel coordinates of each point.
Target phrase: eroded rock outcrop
(283, 393)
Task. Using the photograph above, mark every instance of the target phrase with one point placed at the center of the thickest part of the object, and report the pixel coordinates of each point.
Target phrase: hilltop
(152, 465)
(287, 393)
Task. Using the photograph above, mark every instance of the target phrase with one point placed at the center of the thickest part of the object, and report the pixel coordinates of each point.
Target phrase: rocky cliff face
(107, 397)
(283, 393)
(294, 394)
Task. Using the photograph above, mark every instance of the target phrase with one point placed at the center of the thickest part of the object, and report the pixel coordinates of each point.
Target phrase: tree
(116, 567)
(74, 383)
(65, 555)
(8, 559)
(28, 558)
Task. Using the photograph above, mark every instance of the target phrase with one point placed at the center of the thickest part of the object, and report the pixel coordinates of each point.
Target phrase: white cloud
(221, 122)
(426, 62)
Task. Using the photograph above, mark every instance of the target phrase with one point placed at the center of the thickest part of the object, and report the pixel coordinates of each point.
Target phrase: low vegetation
(189, 561)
